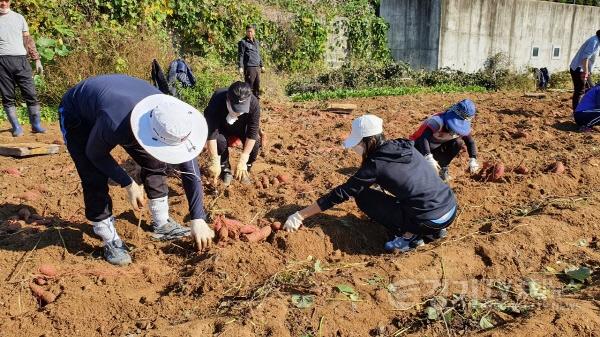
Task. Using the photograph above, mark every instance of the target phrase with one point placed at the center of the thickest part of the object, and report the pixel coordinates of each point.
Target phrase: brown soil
(508, 231)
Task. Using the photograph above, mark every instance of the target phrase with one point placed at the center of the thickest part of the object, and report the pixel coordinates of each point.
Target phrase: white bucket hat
(170, 130)
(363, 126)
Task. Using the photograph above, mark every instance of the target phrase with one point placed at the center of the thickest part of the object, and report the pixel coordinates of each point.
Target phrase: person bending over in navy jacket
(416, 204)
(155, 129)
(441, 137)
(587, 113)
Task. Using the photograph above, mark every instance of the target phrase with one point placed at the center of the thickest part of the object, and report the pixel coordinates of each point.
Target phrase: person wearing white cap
(155, 129)
(233, 115)
(416, 204)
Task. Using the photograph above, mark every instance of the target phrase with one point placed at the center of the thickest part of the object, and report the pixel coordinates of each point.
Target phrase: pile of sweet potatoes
(233, 229)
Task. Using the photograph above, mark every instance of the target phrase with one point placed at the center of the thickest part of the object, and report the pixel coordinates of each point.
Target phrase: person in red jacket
(441, 137)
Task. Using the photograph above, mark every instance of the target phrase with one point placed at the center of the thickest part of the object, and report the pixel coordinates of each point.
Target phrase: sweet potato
(40, 281)
(44, 296)
(222, 234)
(259, 235)
(218, 223)
(248, 229)
(283, 179)
(498, 171)
(519, 134)
(265, 182)
(521, 169)
(24, 214)
(232, 224)
(30, 196)
(275, 226)
(12, 171)
(557, 167)
(48, 270)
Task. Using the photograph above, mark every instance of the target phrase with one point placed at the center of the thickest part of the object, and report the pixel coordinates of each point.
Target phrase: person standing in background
(15, 70)
(582, 65)
(249, 61)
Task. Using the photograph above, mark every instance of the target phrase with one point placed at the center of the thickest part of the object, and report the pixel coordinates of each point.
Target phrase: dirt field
(524, 227)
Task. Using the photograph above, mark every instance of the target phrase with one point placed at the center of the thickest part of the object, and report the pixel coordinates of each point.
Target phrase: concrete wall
(336, 52)
(467, 32)
(473, 30)
(414, 30)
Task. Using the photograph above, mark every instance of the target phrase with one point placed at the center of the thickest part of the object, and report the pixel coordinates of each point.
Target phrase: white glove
(241, 169)
(214, 169)
(431, 161)
(262, 69)
(135, 194)
(293, 222)
(203, 235)
(38, 67)
(241, 71)
(473, 165)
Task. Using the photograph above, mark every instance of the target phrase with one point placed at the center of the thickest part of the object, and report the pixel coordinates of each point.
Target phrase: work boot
(445, 174)
(35, 119)
(170, 231)
(115, 252)
(11, 113)
(404, 244)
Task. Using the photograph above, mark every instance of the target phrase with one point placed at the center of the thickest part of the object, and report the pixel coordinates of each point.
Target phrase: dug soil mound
(521, 259)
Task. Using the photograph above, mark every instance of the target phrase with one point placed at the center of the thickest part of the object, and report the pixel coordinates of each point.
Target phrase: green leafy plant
(348, 291)
(303, 301)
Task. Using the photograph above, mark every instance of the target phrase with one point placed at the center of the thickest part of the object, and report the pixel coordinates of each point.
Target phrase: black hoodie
(401, 170)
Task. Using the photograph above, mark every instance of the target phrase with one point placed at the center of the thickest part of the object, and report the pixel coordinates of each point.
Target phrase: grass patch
(384, 91)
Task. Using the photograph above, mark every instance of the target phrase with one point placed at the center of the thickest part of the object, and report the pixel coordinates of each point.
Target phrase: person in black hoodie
(416, 204)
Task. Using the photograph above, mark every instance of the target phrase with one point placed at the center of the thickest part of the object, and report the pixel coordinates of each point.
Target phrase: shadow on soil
(348, 233)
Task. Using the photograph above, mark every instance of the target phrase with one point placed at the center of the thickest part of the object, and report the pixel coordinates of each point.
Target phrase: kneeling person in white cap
(233, 115)
(102, 112)
(418, 204)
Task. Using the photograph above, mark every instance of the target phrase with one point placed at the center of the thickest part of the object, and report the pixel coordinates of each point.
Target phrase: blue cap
(458, 117)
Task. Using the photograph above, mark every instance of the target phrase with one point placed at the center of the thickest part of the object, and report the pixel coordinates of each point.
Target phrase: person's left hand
(203, 235)
(293, 222)
(241, 170)
(262, 69)
(39, 69)
(473, 165)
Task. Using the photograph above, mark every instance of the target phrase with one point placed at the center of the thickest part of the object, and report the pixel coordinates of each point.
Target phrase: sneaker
(402, 244)
(445, 174)
(441, 234)
(170, 231)
(115, 252)
(227, 178)
(586, 129)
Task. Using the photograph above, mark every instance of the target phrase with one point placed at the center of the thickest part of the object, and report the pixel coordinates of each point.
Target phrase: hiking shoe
(402, 244)
(445, 174)
(441, 234)
(170, 231)
(115, 252)
(227, 178)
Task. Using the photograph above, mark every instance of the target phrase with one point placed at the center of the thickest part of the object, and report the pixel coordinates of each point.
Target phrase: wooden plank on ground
(535, 94)
(343, 108)
(28, 149)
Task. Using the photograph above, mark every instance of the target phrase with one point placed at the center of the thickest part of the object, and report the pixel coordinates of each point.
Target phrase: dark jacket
(246, 126)
(158, 78)
(103, 104)
(180, 71)
(249, 53)
(397, 167)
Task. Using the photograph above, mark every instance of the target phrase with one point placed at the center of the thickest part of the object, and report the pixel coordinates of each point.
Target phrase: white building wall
(470, 31)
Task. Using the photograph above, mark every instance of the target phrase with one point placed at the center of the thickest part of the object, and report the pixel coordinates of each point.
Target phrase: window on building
(535, 52)
(556, 52)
